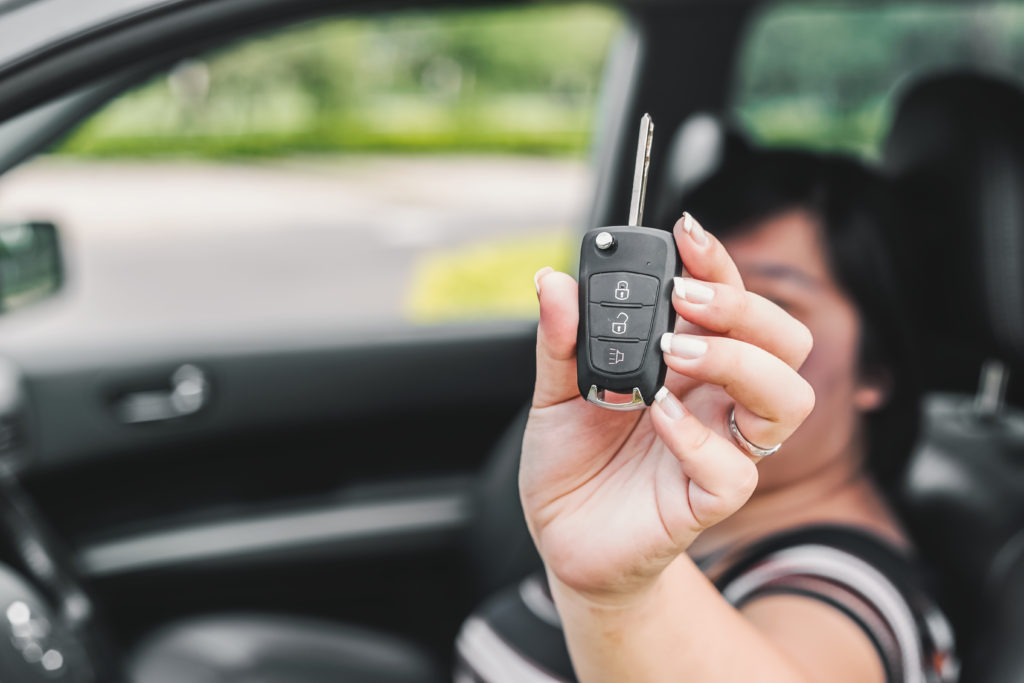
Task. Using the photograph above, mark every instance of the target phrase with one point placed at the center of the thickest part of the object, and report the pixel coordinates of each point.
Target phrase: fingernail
(538, 275)
(669, 403)
(694, 229)
(693, 291)
(683, 345)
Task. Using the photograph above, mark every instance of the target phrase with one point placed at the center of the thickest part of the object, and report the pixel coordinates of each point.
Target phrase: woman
(633, 513)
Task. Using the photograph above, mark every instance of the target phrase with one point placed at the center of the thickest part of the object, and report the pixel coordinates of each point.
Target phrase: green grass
(518, 80)
(331, 136)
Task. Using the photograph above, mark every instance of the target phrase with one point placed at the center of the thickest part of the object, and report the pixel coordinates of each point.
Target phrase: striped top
(516, 636)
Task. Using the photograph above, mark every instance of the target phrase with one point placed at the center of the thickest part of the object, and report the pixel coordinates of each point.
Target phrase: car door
(298, 311)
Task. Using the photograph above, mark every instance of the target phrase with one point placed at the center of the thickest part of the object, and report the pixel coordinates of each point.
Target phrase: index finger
(703, 255)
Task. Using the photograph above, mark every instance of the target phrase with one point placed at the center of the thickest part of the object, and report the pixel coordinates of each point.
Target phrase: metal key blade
(643, 161)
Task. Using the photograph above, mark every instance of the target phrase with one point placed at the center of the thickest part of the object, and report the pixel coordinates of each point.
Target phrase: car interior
(319, 502)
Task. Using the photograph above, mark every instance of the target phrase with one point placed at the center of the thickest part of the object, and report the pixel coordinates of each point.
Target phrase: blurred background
(284, 366)
(432, 161)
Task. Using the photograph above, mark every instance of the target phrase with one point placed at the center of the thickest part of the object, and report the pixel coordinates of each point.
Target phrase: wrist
(636, 595)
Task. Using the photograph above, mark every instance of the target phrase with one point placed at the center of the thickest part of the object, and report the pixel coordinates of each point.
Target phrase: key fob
(625, 285)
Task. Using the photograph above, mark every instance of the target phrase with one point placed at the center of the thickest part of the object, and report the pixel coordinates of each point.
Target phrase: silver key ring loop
(753, 449)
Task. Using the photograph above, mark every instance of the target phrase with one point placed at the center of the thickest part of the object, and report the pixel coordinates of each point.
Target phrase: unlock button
(620, 323)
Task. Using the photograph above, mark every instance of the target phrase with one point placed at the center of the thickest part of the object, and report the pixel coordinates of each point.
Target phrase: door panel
(261, 390)
(281, 427)
(330, 482)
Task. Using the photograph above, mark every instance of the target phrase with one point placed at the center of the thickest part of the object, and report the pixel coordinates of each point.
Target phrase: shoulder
(877, 585)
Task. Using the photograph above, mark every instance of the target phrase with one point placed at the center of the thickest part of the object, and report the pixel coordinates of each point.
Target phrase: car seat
(955, 153)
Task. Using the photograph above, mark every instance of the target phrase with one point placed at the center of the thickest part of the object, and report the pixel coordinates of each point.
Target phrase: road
(183, 247)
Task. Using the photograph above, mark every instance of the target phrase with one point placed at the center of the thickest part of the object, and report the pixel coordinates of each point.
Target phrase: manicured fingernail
(538, 275)
(669, 403)
(683, 345)
(694, 291)
(694, 229)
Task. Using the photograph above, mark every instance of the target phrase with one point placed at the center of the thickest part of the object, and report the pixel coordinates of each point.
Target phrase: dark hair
(852, 203)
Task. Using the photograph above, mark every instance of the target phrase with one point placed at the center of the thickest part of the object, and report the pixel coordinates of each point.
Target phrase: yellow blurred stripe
(488, 280)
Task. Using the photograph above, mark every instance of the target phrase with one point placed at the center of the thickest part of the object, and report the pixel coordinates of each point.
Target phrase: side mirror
(30, 264)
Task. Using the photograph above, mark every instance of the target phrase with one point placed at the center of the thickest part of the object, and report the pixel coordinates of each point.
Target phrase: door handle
(189, 393)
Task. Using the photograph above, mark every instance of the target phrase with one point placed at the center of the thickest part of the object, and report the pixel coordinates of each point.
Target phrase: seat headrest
(697, 150)
(955, 152)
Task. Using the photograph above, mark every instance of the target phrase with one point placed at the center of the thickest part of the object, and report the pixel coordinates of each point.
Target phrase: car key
(625, 285)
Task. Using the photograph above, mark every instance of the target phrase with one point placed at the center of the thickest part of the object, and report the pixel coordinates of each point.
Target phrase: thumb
(556, 338)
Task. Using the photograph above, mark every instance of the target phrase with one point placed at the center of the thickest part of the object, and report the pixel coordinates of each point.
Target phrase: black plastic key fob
(626, 300)
(625, 285)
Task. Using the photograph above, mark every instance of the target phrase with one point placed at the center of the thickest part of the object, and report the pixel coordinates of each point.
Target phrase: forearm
(681, 629)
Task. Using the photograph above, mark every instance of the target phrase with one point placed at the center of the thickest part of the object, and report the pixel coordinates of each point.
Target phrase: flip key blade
(643, 162)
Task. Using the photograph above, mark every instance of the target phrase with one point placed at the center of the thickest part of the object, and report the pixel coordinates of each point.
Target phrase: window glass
(418, 167)
(823, 75)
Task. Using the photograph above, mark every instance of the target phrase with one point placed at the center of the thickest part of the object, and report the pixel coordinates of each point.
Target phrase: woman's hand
(611, 498)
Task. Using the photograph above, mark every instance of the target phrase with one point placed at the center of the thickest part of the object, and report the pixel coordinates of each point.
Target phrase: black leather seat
(955, 152)
(956, 156)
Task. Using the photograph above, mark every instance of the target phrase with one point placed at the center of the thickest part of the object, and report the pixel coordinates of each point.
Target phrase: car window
(410, 168)
(823, 74)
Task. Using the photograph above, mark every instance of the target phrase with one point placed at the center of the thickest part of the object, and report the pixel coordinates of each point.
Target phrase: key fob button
(616, 356)
(625, 323)
(623, 288)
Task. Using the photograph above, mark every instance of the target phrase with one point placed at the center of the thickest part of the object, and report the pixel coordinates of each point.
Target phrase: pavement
(159, 248)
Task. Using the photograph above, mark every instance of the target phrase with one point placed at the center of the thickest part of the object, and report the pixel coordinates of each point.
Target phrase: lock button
(623, 289)
(620, 323)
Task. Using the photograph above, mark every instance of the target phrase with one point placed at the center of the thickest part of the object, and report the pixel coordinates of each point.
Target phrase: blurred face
(784, 259)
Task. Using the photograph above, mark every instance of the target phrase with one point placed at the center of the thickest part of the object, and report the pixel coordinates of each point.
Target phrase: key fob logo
(619, 324)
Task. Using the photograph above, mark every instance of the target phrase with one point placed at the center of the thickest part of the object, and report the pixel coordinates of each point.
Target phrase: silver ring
(750, 448)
